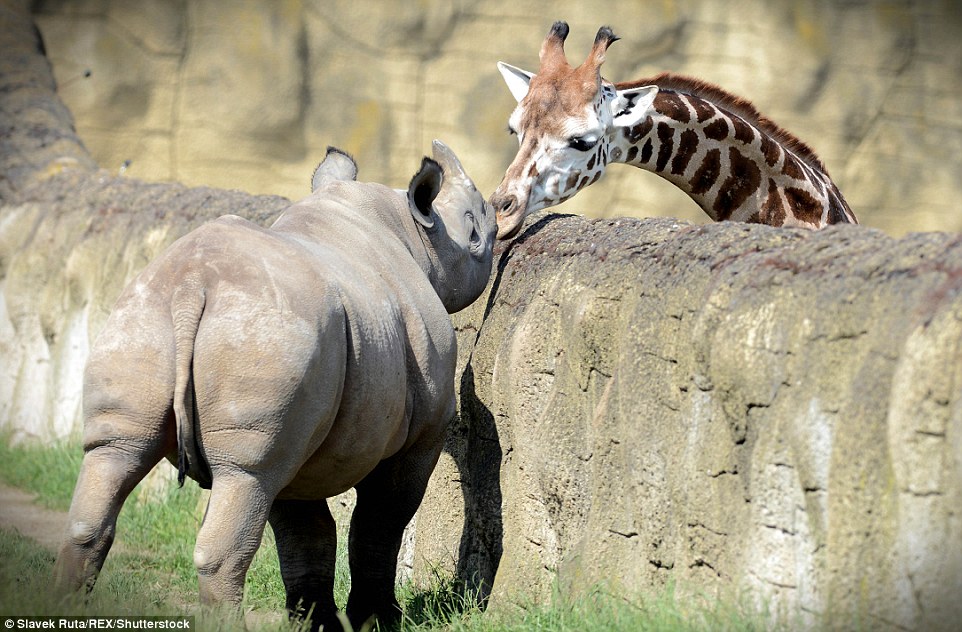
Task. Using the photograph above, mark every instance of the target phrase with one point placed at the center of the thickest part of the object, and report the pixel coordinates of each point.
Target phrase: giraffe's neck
(729, 159)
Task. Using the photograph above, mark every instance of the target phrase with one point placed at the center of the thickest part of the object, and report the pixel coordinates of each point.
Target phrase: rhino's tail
(186, 310)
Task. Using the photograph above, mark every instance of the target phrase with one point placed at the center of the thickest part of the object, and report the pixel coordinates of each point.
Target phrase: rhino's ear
(424, 187)
(337, 165)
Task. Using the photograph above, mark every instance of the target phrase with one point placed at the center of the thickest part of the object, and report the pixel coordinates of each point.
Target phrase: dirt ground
(19, 512)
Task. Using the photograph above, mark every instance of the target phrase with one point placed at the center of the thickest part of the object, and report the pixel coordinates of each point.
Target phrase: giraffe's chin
(508, 227)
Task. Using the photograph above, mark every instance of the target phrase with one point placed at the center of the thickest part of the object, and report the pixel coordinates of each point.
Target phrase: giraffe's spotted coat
(733, 161)
(722, 152)
(687, 146)
(666, 147)
(707, 173)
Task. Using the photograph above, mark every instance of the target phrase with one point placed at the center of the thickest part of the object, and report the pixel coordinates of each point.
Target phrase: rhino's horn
(448, 161)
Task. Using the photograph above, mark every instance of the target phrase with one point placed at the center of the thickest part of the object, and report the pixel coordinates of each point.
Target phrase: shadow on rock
(475, 446)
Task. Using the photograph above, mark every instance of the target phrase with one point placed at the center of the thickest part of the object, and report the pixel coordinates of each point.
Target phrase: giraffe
(735, 163)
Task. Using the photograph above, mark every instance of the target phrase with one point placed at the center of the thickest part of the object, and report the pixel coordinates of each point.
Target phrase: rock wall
(71, 237)
(65, 256)
(729, 407)
(248, 94)
(735, 409)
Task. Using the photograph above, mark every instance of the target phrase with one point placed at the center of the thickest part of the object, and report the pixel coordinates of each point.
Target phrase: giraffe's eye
(582, 143)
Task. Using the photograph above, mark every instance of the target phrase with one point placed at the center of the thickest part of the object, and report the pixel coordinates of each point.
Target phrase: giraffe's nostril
(504, 205)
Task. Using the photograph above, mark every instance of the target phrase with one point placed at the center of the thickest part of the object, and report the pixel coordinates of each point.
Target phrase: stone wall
(248, 94)
(738, 410)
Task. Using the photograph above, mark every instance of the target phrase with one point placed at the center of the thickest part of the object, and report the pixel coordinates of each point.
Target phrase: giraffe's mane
(730, 103)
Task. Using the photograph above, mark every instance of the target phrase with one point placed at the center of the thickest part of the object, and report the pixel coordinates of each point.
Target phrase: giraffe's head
(564, 122)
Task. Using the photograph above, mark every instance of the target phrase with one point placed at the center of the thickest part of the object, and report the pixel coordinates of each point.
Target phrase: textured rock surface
(248, 94)
(729, 407)
(71, 237)
(723, 407)
(66, 252)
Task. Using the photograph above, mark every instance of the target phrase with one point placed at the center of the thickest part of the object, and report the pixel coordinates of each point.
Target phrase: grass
(48, 471)
(156, 529)
(152, 573)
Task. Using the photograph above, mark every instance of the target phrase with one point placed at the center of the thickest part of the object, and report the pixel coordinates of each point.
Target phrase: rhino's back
(364, 251)
(401, 345)
(312, 351)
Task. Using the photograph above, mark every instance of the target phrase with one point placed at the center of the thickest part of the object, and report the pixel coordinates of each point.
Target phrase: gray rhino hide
(298, 361)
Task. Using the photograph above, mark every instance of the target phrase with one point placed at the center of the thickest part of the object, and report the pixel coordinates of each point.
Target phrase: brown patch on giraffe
(670, 104)
(773, 211)
(646, 151)
(804, 207)
(743, 179)
(666, 136)
(707, 173)
(595, 177)
(572, 180)
(743, 131)
(533, 171)
(632, 154)
(639, 131)
(792, 169)
(838, 209)
(717, 130)
(703, 109)
(771, 150)
(584, 182)
(819, 183)
(687, 145)
(591, 161)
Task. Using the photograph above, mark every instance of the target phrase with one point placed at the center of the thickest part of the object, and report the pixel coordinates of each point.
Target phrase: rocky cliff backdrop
(733, 409)
(247, 94)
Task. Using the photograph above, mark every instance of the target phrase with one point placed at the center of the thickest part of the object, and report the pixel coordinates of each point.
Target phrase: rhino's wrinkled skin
(283, 366)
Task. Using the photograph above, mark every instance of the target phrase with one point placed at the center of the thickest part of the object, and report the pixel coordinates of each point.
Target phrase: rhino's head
(458, 224)
(452, 221)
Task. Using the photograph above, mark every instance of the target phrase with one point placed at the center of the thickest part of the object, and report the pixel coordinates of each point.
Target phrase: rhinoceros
(281, 366)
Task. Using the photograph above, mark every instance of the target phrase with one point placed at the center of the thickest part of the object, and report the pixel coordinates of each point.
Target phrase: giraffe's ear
(632, 105)
(516, 79)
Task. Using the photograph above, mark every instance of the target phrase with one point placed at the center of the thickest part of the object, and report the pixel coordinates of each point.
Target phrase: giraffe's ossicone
(731, 160)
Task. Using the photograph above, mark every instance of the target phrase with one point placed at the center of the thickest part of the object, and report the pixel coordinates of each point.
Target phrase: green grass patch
(25, 580)
(25, 591)
(443, 606)
(156, 529)
(151, 572)
(48, 471)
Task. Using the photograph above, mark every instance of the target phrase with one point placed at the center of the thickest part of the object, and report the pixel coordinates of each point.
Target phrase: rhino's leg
(229, 535)
(109, 473)
(306, 547)
(128, 428)
(386, 501)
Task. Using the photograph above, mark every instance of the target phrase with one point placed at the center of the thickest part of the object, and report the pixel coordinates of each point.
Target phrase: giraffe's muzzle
(509, 214)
